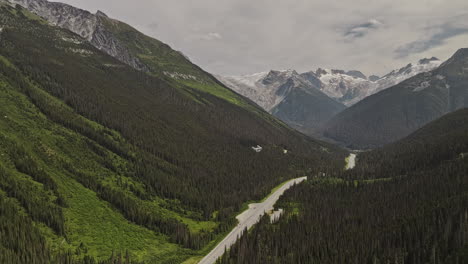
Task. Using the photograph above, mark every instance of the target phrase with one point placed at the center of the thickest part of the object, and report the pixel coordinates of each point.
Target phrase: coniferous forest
(385, 210)
(174, 163)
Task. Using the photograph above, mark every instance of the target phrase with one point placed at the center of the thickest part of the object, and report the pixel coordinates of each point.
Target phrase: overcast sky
(246, 36)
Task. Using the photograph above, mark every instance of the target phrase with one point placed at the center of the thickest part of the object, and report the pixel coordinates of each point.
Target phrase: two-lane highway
(247, 219)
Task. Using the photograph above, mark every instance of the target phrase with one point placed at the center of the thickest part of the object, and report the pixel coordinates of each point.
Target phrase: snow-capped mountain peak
(397, 76)
(339, 84)
(260, 87)
(348, 87)
(267, 89)
(278, 76)
(292, 97)
(352, 86)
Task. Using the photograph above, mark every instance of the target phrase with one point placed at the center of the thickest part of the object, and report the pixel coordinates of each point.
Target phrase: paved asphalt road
(246, 220)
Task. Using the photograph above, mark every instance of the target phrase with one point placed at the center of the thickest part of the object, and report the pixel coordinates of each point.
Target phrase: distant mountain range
(308, 100)
(396, 112)
(292, 97)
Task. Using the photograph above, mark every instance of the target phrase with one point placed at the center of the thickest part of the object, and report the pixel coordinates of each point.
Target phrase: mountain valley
(116, 148)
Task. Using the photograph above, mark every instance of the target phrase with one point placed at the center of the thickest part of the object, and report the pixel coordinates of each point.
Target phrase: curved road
(246, 220)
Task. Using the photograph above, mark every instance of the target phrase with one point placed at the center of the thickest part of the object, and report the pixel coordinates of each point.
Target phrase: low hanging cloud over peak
(360, 30)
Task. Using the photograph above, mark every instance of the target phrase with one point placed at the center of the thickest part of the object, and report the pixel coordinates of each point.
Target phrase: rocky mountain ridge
(350, 87)
(347, 87)
(87, 25)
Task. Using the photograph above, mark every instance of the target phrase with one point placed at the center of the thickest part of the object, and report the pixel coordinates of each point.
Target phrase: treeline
(35, 200)
(22, 241)
(135, 211)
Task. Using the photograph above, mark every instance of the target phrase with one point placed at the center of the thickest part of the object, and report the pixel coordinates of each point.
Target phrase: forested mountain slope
(98, 158)
(409, 207)
(398, 111)
(306, 108)
(441, 140)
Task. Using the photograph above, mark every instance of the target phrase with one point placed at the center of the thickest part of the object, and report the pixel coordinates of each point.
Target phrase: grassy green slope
(88, 219)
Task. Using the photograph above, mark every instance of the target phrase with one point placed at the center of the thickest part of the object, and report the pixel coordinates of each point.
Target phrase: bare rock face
(87, 25)
(76, 20)
(105, 41)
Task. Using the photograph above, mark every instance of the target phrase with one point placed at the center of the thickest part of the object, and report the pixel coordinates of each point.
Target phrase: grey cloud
(445, 32)
(359, 31)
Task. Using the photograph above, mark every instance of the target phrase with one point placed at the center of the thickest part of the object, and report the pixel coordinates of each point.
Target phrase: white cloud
(211, 36)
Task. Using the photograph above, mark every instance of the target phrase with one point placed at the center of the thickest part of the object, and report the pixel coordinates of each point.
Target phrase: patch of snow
(285, 151)
(397, 76)
(248, 80)
(72, 40)
(180, 76)
(112, 65)
(339, 85)
(351, 90)
(440, 77)
(83, 52)
(424, 85)
(263, 88)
